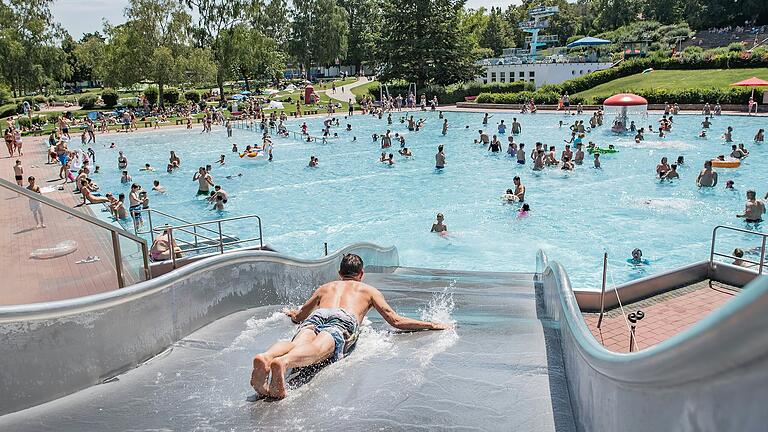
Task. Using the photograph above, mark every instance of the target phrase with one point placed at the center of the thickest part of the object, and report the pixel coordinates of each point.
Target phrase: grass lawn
(362, 90)
(674, 79)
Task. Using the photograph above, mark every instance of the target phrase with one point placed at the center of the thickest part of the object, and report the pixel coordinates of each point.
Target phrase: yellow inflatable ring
(726, 163)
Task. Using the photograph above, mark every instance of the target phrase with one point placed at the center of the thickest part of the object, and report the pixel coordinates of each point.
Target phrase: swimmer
(662, 168)
(234, 148)
(219, 203)
(707, 177)
(521, 154)
(578, 158)
(728, 135)
(125, 178)
(509, 196)
(524, 210)
(383, 157)
(729, 185)
(739, 254)
(221, 160)
(313, 161)
(440, 158)
(672, 173)
(760, 135)
(637, 258)
(597, 161)
(391, 159)
(484, 139)
(680, 160)
(502, 128)
(519, 191)
(157, 188)
(439, 227)
(754, 209)
(147, 167)
(737, 153)
(230, 177)
(405, 152)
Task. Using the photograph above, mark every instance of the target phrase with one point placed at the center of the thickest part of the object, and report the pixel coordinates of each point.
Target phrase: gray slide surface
(500, 369)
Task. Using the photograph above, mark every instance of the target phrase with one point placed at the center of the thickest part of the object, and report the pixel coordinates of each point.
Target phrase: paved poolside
(29, 280)
(666, 315)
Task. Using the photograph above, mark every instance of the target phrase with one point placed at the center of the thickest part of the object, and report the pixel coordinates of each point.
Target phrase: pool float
(251, 154)
(64, 248)
(735, 163)
(601, 150)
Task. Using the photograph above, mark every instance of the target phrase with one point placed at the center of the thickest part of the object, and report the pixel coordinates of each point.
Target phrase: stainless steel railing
(203, 236)
(760, 264)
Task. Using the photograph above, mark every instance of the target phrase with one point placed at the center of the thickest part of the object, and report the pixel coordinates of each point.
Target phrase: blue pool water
(352, 197)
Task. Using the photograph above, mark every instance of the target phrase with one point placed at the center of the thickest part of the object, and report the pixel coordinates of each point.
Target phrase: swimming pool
(352, 197)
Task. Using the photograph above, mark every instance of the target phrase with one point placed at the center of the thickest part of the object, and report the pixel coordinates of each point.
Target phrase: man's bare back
(328, 325)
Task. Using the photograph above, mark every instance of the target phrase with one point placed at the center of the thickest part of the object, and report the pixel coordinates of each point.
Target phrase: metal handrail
(114, 231)
(218, 242)
(760, 264)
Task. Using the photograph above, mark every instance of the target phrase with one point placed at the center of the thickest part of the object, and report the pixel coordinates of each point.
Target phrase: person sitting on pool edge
(329, 323)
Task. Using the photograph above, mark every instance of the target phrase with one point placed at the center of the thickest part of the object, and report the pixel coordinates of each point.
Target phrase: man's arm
(400, 322)
(301, 314)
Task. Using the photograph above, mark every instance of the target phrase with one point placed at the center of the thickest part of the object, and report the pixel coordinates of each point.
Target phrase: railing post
(261, 242)
(762, 257)
(118, 259)
(151, 227)
(170, 246)
(194, 230)
(147, 269)
(326, 248)
(602, 291)
(712, 247)
(221, 240)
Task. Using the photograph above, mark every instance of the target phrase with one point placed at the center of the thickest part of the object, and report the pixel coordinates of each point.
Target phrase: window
(531, 74)
(522, 74)
(581, 72)
(485, 80)
(493, 76)
(573, 72)
(503, 76)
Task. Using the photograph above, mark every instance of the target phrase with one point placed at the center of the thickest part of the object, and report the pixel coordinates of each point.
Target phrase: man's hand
(441, 326)
(291, 313)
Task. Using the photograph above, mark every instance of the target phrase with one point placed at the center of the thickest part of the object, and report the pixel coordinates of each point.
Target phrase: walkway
(344, 93)
(28, 280)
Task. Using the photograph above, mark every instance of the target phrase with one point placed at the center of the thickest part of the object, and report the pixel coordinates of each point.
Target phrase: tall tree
(254, 55)
(153, 45)
(318, 32)
(28, 35)
(418, 47)
(495, 36)
(364, 23)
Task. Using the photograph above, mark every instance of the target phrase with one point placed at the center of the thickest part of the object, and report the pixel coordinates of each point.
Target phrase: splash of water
(255, 326)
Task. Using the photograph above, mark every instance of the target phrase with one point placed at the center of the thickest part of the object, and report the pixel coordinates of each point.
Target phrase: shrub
(5, 95)
(8, 110)
(454, 92)
(192, 96)
(25, 122)
(87, 102)
(39, 99)
(53, 118)
(151, 94)
(170, 96)
(110, 97)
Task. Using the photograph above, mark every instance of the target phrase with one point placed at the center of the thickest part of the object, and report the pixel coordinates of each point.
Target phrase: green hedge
(170, 96)
(151, 94)
(110, 98)
(8, 110)
(87, 102)
(192, 96)
(452, 93)
(654, 96)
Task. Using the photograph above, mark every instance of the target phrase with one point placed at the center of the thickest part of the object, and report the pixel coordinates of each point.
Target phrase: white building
(539, 73)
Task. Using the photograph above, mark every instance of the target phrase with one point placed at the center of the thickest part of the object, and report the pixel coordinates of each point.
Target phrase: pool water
(352, 197)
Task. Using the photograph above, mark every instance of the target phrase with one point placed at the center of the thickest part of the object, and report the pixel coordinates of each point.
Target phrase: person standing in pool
(521, 154)
(204, 179)
(754, 209)
(439, 227)
(519, 192)
(707, 177)
(445, 126)
(516, 127)
(578, 157)
(329, 324)
(440, 158)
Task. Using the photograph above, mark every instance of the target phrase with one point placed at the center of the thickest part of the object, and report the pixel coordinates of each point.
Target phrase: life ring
(251, 154)
(726, 163)
(64, 248)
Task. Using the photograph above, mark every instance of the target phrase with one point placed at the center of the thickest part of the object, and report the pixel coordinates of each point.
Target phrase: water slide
(174, 353)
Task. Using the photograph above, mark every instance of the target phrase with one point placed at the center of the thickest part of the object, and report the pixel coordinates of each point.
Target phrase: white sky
(83, 16)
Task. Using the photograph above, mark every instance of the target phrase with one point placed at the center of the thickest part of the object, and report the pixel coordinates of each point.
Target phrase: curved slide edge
(713, 376)
(49, 350)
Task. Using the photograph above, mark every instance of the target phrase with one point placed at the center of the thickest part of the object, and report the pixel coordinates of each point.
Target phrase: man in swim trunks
(440, 158)
(754, 209)
(519, 189)
(707, 177)
(204, 179)
(329, 323)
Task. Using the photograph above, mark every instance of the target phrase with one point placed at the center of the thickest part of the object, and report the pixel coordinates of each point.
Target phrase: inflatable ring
(601, 150)
(64, 248)
(726, 163)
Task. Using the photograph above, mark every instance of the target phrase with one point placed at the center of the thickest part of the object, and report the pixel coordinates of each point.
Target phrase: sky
(86, 16)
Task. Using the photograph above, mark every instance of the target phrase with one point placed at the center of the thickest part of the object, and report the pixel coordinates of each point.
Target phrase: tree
(318, 32)
(364, 23)
(254, 55)
(30, 58)
(496, 33)
(86, 57)
(153, 45)
(417, 47)
(216, 22)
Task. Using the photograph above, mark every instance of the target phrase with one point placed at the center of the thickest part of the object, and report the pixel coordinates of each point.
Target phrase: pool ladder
(203, 236)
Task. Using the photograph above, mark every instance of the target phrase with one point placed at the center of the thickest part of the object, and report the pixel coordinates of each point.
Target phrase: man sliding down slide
(328, 327)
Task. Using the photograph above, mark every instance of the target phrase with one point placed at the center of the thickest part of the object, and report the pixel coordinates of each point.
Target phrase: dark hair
(351, 265)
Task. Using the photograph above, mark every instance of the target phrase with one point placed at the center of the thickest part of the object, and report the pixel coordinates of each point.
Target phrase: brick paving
(666, 315)
(27, 280)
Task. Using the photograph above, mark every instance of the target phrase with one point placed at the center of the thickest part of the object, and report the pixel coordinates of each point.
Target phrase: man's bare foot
(277, 386)
(260, 375)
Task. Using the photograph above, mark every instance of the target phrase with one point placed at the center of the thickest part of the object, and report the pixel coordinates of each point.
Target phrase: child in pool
(637, 258)
(524, 210)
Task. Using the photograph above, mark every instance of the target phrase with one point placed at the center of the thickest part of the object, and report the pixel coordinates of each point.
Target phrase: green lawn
(362, 90)
(673, 79)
